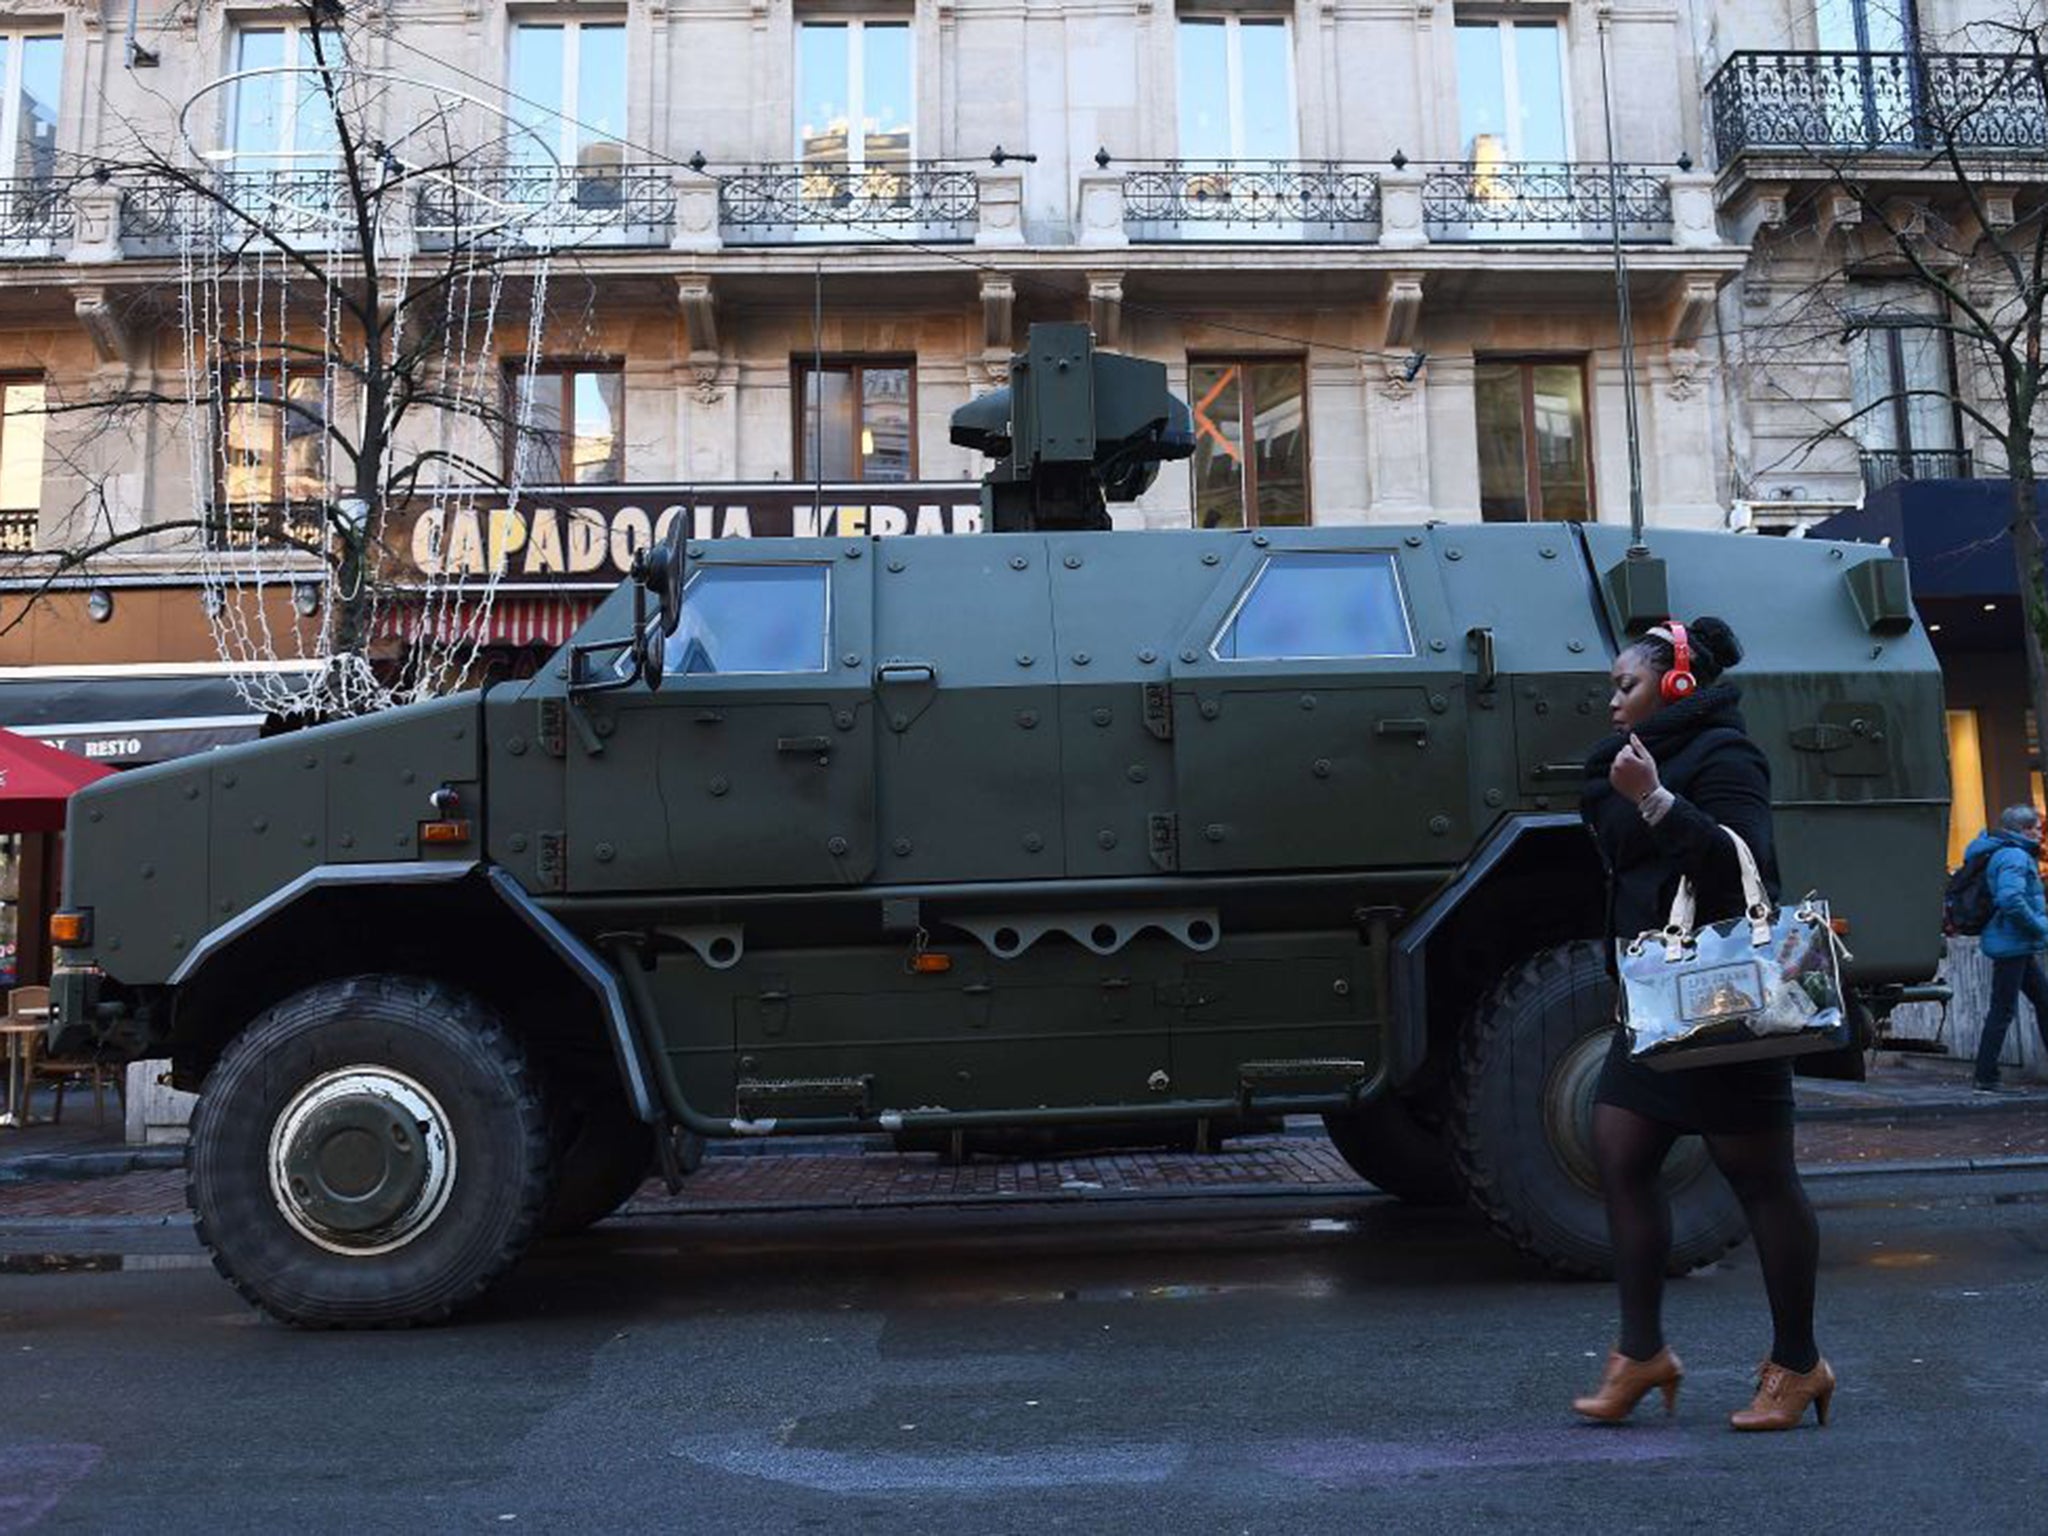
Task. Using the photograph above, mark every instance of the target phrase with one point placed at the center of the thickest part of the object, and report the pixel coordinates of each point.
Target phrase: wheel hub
(1568, 1118)
(361, 1160)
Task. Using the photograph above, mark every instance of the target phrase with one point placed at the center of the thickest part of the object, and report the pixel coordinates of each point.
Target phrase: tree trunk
(2027, 553)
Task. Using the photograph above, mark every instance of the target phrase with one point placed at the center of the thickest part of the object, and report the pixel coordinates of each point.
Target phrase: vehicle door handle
(903, 673)
(810, 746)
(1419, 729)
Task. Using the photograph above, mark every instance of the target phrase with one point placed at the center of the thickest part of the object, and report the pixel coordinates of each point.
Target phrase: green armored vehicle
(1026, 829)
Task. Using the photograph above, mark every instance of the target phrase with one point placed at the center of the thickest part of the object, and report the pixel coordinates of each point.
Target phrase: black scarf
(1670, 729)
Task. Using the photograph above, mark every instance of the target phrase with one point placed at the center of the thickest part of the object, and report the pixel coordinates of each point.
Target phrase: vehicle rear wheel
(1523, 1117)
(371, 1152)
(608, 1155)
(1389, 1146)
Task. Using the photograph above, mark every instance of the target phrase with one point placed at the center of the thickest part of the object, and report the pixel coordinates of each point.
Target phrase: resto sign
(591, 533)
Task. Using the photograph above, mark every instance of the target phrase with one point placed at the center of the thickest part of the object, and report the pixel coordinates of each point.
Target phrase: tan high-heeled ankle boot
(1625, 1382)
(1782, 1396)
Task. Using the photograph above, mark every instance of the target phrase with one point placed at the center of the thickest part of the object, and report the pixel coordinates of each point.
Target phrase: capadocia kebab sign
(590, 533)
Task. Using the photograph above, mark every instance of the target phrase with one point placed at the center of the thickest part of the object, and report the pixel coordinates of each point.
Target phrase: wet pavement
(1187, 1365)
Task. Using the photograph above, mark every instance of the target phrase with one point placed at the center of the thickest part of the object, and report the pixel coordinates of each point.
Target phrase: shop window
(1251, 442)
(570, 423)
(568, 96)
(1309, 605)
(274, 438)
(1966, 812)
(21, 462)
(1236, 88)
(1535, 462)
(31, 82)
(279, 114)
(853, 97)
(857, 420)
(752, 619)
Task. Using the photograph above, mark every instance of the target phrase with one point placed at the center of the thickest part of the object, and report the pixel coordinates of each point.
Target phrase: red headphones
(1679, 681)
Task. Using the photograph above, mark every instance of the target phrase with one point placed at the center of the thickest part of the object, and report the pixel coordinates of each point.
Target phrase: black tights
(1758, 1166)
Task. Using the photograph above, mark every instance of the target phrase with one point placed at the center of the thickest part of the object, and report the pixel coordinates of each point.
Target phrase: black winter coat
(1720, 778)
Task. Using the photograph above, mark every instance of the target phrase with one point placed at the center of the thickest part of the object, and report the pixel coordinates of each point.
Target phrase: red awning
(513, 620)
(36, 781)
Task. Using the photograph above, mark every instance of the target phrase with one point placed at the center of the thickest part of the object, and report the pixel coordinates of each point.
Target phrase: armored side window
(1304, 605)
(752, 618)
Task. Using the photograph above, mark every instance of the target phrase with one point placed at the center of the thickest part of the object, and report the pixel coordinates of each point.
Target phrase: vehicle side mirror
(657, 584)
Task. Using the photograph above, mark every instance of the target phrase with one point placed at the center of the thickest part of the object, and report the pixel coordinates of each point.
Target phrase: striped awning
(514, 618)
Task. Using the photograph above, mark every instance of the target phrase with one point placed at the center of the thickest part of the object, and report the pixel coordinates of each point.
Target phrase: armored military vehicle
(1045, 827)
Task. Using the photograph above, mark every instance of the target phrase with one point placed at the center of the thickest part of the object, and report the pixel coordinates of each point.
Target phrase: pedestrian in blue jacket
(2017, 933)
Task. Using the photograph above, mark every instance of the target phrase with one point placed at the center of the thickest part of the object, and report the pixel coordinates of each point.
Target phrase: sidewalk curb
(43, 1167)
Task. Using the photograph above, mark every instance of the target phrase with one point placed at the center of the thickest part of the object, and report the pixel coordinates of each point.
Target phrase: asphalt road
(1244, 1365)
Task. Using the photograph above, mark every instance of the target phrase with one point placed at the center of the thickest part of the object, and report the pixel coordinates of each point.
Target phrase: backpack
(1966, 903)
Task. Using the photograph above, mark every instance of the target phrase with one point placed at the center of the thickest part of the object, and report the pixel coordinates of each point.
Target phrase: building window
(568, 90)
(1251, 442)
(21, 462)
(570, 421)
(853, 96)
(31, 79)
(279, 115)
(274, 439)
(1511, 93)
(1865, 26)
(857, 420)
(1902, 393)
(1535, 463)
(1236, 88)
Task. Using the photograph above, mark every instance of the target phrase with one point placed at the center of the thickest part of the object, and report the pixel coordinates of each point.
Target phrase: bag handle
(1678, 930)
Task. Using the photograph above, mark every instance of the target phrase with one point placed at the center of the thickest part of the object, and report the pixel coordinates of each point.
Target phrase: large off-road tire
(606, 1155)
(371, 1152)
(1392, 1148)
(1522, 1123)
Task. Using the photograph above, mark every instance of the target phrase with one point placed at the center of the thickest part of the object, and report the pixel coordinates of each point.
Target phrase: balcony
(36, 217)
(908, 200)
(1519, 200)
(307, 209)
(1319, 203)
(548, 206)
(1886, 466)
(18, 531)
(1836, 105)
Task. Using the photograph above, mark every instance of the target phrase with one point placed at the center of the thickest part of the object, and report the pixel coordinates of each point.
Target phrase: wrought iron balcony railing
(1328, 202)
(311, 209)
(18, 531)
(34, 214)
(300, 526)
(1883, 466)
(1861, 103)
(1527, 200)
(547, 206)
(776, 204)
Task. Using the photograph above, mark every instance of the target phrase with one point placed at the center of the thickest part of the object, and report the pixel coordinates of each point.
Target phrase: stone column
(1396, 436)
(1000, 208)
(96, 209)
(1693, 224)
(696, 212)
(1401, 226)
(1679, 451)
(1100, 210)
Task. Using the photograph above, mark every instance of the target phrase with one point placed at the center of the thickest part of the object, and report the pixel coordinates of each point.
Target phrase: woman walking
(1678, 769)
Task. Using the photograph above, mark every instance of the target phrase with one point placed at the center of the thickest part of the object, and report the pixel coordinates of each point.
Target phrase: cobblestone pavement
(843, 1174)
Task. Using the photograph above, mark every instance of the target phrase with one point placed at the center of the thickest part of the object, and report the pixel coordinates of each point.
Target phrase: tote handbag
(1763, 985)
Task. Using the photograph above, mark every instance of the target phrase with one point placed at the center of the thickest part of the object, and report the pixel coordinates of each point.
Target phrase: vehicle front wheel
(371, 1152)
(1522, 1123)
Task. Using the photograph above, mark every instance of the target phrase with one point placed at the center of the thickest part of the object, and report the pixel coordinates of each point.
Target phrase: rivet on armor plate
(404, 838)
(1211, 558)
(312, 761)
(227, 781)
(850, 659)
(1438, 703)
(347, 839)
(696, 551)
(1543, 706)
(1081, 658)
(1136, 773)
(404, 778)
(605, 853)
(260, 824)
(1191, 654)
(1320, 768)
(516, 842)
(836, 846)
(92, 815)
(1018, 563)
(305, 839)
(1494, 797)
(901, 847)
(1308, 701)
(1341, 987)
(1033, 843)
(1025, 658)
(1073, 562)
(1439, 825)
(516, 745)
(191, 793)
(149, 871)
(1213, 831)
(1211, 709)
(603, 726)
(1101, 716)
(899, 722)
(896, 566)
(1105, 839)
(1547, 552)
(1575, 646)
(1413, 541)
(1454, 554)
(844, 719)
(226, 905)
(1438, 646)
(1543, 802)
(1027, 719)
(1159, 1082)
(1261, 540)
(1148, 656)
(719, 785)
(853, 551)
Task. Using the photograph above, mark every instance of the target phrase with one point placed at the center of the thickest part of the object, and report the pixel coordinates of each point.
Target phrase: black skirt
(1729, 1098)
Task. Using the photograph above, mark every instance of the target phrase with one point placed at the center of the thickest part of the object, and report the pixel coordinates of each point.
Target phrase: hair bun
(1714, 640)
